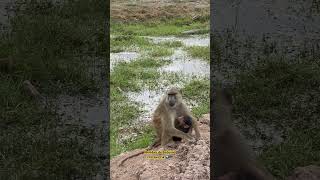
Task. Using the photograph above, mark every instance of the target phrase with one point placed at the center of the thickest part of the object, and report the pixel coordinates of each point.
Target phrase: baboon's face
(172, 100)
(173, 97)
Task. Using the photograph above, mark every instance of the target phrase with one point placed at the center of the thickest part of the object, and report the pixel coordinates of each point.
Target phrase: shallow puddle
(122, 57)
(196, 41)
(187, 66)
(74, 109)
(148, 101)
(193, 40)
(182, 64)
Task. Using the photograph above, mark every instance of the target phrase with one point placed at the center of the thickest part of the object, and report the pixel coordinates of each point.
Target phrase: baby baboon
(171, 107)
(232, 158)
(184, 124)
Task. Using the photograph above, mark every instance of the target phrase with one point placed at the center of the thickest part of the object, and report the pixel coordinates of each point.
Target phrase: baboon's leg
(165, 139)
(196, 128)
(158, 128)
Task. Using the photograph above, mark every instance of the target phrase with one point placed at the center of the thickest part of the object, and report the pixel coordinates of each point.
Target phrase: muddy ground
(191, 161)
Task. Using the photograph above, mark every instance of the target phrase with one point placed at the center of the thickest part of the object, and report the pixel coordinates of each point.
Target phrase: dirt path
(191, 161)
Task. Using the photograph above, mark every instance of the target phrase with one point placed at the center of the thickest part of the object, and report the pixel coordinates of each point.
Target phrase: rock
(306, 173)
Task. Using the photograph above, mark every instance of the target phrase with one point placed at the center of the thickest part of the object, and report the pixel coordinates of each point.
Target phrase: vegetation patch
(159, 51)
(31, 136)
(47, 40)
(157, 28)
(199, 92)
(199, 52)
(285, 94)
(133, 75)
(301, 148)
(171, 44)
(122, 113)
(50, 44)
(127, 43)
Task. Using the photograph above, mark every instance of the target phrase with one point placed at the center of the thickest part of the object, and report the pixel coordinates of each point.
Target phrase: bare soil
(191, 160)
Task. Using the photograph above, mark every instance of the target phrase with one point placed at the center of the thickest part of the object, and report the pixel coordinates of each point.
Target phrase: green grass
(286, 95)
(30, 136)
(277, 86)
(123, 113)
(52, 45)
(157, 28)
(131, 76)
(199, 52)
(159, 51)
(301, 148)
(198, 91)
(47, 40)
(127, 43)
(171, 44)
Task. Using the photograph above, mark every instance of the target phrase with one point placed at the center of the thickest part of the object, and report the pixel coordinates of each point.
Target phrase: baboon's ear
(180, 91)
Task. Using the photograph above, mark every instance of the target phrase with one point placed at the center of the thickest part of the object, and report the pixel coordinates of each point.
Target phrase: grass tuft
(285, 94)
(198, 91)
(199, 52)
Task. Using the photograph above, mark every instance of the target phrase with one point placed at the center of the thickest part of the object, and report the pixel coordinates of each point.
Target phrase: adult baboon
(169, 117)
(170, 108)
